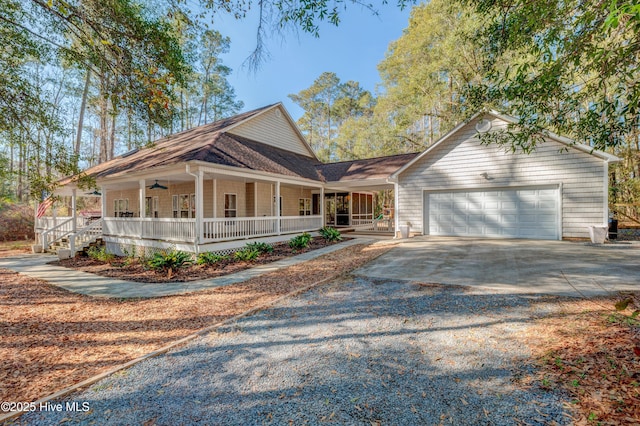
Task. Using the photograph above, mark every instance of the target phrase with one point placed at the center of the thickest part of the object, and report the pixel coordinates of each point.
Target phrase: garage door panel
(511, 213)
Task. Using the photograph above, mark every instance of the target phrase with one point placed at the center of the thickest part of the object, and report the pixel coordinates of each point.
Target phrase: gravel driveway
(358, 351)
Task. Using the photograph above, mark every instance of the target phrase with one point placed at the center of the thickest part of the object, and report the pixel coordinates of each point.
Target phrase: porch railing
(167, 229)
(370, 225)
(233, 228)
(219, 229)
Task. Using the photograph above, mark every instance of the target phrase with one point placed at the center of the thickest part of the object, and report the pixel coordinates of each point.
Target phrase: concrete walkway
(514, 266)
(37, 266)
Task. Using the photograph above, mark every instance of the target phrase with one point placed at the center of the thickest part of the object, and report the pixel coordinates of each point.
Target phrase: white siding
(273, 129)
(460, 162)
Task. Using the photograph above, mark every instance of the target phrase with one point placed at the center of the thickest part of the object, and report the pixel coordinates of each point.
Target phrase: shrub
(330, 234)
(169, 262)
(246, 254)
(100, 254)
(261, 247)
(300, 241)
(16, 221)
(210, 258)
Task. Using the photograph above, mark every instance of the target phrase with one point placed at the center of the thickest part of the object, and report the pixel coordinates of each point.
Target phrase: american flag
(43, 206)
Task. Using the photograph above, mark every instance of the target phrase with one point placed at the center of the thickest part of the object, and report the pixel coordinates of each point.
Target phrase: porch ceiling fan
(156, 185)
(94, 192)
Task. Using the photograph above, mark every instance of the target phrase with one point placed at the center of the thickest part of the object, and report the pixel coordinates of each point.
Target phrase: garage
(525, 212)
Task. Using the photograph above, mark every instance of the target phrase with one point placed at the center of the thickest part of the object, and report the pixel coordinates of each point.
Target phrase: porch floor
(36, 265)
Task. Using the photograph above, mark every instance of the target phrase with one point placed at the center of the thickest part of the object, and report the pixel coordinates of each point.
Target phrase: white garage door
(508, 213)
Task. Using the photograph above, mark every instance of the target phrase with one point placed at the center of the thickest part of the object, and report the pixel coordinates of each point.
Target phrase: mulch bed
(591, 352)
(52, 338)
(136, 271)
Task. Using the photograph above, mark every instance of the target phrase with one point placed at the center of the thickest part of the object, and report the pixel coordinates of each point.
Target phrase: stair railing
(58, 232)
(89, 232)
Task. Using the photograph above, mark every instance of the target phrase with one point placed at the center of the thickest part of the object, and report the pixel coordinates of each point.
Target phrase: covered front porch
(203, 208)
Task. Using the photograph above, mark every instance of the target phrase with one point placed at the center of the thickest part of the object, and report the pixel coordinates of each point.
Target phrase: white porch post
(255, 199)
(322, 206)
(396, 210)
(74, 226)
(215, 198)
(103, 197)
(278, 212)
(141, 202)
(199, 209)
(74, 214)
(143, 196)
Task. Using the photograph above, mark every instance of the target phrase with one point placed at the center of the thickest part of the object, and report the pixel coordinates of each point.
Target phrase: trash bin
(613, 228)
(404, 231)
(598, 233)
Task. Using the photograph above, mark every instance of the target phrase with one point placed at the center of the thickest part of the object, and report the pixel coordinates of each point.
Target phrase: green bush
(169, 261)
(261, 247)
(300, 241)
(330, 234)
(246, 254)
(210, 258)
(100, 254)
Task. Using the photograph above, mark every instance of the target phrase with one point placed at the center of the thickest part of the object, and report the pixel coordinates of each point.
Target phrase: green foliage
(328, 104)
(209, 258)
(330, 234)
(246, 254)
(169, 261)
(100, 254)
(572, 69)
(260, 247)
(301, 241)
(425, 73)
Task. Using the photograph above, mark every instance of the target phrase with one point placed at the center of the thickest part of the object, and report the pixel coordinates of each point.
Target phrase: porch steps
(81, 247)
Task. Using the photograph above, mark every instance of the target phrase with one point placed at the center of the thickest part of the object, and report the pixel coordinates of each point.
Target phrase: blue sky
(352, 50)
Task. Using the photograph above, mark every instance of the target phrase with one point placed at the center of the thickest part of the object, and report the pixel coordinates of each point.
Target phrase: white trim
(253, 174)
(512, 120)
(560, 211)
(277, 203)
(396, 209)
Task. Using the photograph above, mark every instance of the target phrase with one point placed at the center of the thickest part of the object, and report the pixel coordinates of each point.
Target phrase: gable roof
(370, 168)
(511, 120)
(211, 143)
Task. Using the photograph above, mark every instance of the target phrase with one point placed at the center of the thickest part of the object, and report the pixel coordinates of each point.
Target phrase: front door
(342, 209)
(330, 210)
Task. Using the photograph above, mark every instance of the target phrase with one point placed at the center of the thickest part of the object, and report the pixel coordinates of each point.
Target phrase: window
(175, 205)
(304, 206)
(230, 209)
(120, 207)
(184, 205)
(151, 206)
(192, 205)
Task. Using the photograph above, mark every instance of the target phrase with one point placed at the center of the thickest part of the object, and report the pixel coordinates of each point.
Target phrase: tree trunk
(83, 107)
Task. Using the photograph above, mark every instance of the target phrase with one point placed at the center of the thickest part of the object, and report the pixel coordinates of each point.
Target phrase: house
(459, 186)
(253, 176)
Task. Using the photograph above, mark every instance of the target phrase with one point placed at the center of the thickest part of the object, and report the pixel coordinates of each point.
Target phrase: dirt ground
(52, 338)
(591, 351)
(14, 248)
